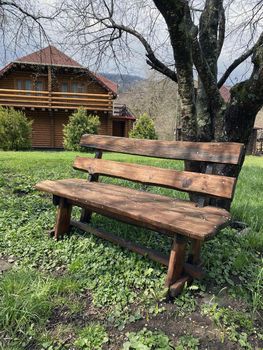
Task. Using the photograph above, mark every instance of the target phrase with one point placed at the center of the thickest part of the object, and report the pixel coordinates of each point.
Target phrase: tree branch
(152, 60)
(205, 74)
(238, 61)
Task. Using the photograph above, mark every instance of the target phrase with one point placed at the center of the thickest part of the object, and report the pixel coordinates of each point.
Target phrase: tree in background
(23, 24)
(183, 40)
(15, 130)
(144, 128)
(79, 124)
(147, 96)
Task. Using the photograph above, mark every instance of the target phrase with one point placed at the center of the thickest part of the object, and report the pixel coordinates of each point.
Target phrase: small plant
(25, 302)
(15, 130)
(79, 124)
(187, 342)
(144, 128)
(257, 295)
(92, 337)
(236, 325)
(185, 302)
(147, 340)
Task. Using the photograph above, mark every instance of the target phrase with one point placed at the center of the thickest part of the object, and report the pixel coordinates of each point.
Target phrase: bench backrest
(199, 183)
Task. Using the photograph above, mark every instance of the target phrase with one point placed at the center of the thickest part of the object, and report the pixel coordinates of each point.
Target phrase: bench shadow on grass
(219, 254)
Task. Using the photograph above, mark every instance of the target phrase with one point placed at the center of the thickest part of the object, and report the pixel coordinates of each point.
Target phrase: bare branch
(238, 61)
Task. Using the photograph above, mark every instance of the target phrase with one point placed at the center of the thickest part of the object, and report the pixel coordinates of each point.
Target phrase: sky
(235, 44)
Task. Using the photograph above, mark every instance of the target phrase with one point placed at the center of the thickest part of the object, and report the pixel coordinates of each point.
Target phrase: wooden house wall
(8, 81)
(48, 126)
(89, 85)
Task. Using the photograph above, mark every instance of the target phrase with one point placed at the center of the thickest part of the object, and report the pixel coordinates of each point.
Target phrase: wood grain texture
(213, 185)
(160, 213)
(224, 153)
(63, 218)
(85, 213)
(178, 286)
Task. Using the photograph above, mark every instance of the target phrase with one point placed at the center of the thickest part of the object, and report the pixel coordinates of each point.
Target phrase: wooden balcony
(55, 100)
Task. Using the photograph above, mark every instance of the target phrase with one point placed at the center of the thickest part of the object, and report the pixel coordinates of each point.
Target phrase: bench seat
(157, 212)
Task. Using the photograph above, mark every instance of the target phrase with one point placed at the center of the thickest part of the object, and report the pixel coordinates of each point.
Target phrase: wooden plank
(24, 91)
(225, 153)
(55, 98)
(87, 103)
(80, 94)
(214, 185)
(24, 96)
(95, 108)
(152, 254)
(34, 100)
(57, 93)
(194, 271)
(10, 97)
(156, 212)
(178, 286)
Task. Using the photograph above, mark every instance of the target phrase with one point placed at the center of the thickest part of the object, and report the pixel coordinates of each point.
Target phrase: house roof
(107, 82)
(225, 93)
(50, 55)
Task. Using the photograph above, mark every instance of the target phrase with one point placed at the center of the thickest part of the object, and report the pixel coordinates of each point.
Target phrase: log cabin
(49, 86)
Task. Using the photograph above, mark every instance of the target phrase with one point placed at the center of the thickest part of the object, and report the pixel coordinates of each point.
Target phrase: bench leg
(85, 215)
(194, 257)
(63, 218)
(177, 260)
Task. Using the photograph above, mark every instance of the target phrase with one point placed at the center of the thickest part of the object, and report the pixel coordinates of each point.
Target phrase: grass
(59, 294)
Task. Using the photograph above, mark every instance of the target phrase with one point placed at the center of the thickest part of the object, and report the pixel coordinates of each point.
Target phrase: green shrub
(79, 124)
(15, 130)
(92, 337)
(144, 128)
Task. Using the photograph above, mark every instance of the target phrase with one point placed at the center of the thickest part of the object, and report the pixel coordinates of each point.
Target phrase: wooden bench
(182, 220)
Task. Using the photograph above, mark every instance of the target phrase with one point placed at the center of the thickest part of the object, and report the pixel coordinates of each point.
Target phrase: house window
(28, 85)
(64, 87)
(76, 87)
(39, 85)
(19, 85)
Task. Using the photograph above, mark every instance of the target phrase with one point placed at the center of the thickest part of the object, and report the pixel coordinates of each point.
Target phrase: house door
(118, 128)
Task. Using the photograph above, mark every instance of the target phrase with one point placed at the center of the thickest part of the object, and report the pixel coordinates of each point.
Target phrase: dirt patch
(5, 265)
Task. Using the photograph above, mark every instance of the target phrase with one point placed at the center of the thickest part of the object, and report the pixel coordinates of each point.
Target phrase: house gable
(51, 56)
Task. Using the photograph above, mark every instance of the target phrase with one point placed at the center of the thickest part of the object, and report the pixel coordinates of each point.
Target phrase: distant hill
(125, 81)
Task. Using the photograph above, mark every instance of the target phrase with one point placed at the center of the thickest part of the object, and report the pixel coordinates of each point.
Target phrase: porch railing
(55, 100)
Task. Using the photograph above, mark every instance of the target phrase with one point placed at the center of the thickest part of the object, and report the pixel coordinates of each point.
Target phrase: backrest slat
(222, 153)
(212, 185)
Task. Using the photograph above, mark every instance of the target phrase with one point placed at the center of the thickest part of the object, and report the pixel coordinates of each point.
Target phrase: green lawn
(85, 293)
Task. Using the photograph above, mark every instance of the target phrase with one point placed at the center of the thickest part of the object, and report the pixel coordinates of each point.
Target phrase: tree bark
(176, 16)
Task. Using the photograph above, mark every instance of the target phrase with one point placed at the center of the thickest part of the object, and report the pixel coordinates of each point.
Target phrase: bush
(144, 128)
(15, 130)
(79, 124)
